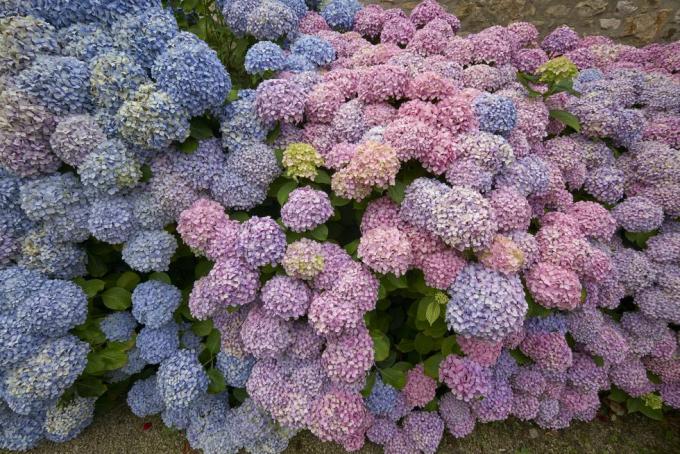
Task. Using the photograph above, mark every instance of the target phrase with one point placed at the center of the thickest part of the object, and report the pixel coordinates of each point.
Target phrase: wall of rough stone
(634, 22)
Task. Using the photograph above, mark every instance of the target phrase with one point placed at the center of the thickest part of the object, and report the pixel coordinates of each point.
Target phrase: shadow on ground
(120, 432)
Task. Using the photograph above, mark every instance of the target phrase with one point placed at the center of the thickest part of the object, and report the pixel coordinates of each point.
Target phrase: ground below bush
(119, 432)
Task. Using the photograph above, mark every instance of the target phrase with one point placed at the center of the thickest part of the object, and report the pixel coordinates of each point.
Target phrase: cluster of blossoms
(503, 214)
(40, 359)
(297, 341)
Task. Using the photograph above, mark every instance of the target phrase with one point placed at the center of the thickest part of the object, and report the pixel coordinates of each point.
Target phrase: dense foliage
(255, 217)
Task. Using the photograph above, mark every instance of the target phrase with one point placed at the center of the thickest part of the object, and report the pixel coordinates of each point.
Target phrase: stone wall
(634, 22)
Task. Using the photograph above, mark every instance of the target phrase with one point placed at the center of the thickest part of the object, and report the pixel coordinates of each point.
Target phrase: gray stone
(610, 24)
(626, 7)
(591, 8)
(557, 10)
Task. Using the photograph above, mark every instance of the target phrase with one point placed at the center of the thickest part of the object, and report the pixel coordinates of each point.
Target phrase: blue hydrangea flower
(135, 362)
(145, 36)
(200, 167)
(256, 163)
(55, 308)
(236, 370)
(271, 20)
(157, 344)
(234, 191)
(241, 127)
(191, 340)
(51, 195)
(339, 14)
(114, 77)
(118, 327)
(58, 83)
(496, 114)
(144, 398)
(382, 399)
(23, 38)
(43, 252)
(236, 14)
(485, 303)
(84, 41)
(315, 49)
(299, 7)
(17, 284)
(299, 63)
(109, 168)
(42, 378)
(75, 137)
(150, 250)
(264, 56)
(152, 118)
(154, 302)
(111, 219)
(19, 432)
(192, 74)
(71, 226)
(148, 210)
(16, 343)
(181, 379)
(65, 422)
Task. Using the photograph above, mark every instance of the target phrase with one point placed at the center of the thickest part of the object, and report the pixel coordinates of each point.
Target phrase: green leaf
(90, 387)
(652, 413)
(423, 343)
(240, 394)
(322, 177)
(96, 267)
(91, 286)
(566, 118)
(113, 358)
(202, 269)
(520, 357)
(449, 345)
(188, 146)
(432, 405)
(396, 192)
(90, 332)
(368, 387)
(147, 173)
(320, 233)
(431, 365)
(284, 190)
(212, 343)
(217, 383)
(117, 298)
(233, 95)
(200, 129)
(240, 216)
(337, 201)
(432, 312)
(160, 276)
(202, 327)
(351, 248)
(406, 345)
(128, 280)
(381, 345)
(394, 377)
(395, 282)
(639, 239)
(634, 404)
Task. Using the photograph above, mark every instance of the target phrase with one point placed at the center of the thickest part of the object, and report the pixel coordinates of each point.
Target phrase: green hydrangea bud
(560, 68)
(652, 401)
(301, 160)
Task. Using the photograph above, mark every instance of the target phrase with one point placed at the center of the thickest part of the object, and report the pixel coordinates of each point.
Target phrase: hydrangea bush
(256, 217)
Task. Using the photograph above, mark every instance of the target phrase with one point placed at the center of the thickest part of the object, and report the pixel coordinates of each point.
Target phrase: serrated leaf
(320, 233)
(91, 286)
(90, 387)
(322, 177)
(240, 394)
(394, 377)
(432, 312)
(634, 404)
(284, 191)
(117, 298)
(217, 383)
(160, 276)
(431, 365)
(202, 268)
(212, 342)
(337, 201)
(351, 248)
(396, 192)
(406, 345)
(652, 413)
(566, 118)
(200, 129)
(128, 280)
(202, 327)
(96, 267)
(424, 344)
(90, 332)
(188, 146)
(381, 345)
(449, 345)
